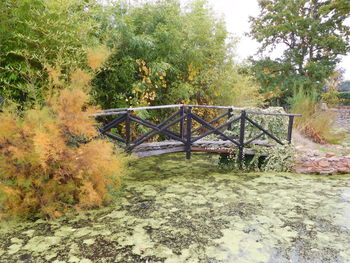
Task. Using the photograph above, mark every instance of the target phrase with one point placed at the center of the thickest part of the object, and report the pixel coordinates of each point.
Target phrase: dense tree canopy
(167, 54)
(161, 52)
(38, 35)
(313, 35)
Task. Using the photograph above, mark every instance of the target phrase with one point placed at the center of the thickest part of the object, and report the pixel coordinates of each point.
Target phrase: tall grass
(315, 123)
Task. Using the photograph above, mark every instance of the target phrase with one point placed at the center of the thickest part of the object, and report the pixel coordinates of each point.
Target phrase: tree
(167, 54)
(313, 35)
(36, 35)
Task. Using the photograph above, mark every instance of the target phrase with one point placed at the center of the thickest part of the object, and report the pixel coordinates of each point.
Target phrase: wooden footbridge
(185, 131)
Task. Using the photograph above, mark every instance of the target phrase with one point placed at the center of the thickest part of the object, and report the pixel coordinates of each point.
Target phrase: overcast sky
(236, 14)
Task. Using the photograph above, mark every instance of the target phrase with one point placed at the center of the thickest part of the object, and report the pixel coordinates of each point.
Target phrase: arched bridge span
(184, 129)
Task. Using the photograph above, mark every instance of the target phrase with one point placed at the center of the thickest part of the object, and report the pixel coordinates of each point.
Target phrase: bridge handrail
(117, 111)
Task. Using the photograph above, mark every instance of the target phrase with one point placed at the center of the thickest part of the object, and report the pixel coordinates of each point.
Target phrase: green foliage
(36, 35)
(167, 54)
(345, 97)
(280, 158)
(331, 96)
(313, 35)
(315, 123)
(277, 125)
(162, 53)
(304, 103)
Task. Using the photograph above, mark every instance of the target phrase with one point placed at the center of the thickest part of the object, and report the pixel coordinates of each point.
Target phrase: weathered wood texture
(185, 138)
(156, 148)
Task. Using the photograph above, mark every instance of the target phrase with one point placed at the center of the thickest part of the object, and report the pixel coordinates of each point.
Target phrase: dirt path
(188, 211)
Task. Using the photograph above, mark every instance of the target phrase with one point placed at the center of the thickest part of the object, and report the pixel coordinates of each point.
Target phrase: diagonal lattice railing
(182, 120)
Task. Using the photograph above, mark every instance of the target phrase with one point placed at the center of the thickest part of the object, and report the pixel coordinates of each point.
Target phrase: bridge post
(182, 126)
(241, 138)
(229, 127)
(127, 128)
(188, 133)
(290, 129)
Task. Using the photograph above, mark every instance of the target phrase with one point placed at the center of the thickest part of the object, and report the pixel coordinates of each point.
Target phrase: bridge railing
(179, 126)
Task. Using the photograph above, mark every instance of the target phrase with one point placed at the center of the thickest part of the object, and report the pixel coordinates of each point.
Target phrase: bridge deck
(171, 146)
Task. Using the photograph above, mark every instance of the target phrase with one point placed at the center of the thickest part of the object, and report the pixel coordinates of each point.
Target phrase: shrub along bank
(50, 159)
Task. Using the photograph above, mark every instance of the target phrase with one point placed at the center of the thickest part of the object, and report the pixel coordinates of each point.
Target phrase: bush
(331, 96)
(315, 123)
(345, 97)
(39, 33)
(280, 158)
(275, 124)
(50, 159)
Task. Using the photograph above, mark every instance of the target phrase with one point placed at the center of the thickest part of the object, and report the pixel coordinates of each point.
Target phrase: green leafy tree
(166, 54)
(314, 36)
(38, 35)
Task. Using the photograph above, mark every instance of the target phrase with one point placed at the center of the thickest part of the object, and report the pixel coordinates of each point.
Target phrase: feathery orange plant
(44, 172)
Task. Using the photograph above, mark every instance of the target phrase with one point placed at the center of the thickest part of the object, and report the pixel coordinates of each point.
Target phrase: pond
(174, 210)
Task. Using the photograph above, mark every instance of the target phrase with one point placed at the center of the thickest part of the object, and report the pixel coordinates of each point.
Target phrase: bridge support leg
(229, 127)
(127, 128)
(188, 133)
(290, 129)
(182, 126)
(241, 139)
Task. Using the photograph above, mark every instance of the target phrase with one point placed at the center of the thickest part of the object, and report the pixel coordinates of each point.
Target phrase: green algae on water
(175, 210)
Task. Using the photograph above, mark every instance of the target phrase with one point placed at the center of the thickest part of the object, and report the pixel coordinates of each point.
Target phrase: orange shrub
(50, 159)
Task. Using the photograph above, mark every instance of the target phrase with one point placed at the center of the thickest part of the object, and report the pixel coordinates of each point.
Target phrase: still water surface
(173, 210)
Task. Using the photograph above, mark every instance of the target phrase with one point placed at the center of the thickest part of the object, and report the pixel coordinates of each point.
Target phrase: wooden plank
(158, 145)
(273, 114)
(127, 129)
(212, 121)
(153, 126)
(203, 144)
(246, 151)
(160, 151)
(188, 133)
(214, 107)
(145, 108)
(157, 132)
(241, 138)
(290, 129)
(229, 116)
(177, 149)
(253, 139)
(150, 132)
(113, 123)
(114, 137)
(214, 130)
(182, 123)
(107, 113)
(116, 110)
(211, 131)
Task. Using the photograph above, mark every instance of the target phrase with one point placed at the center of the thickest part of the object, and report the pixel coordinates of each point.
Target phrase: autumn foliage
(51, 159)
